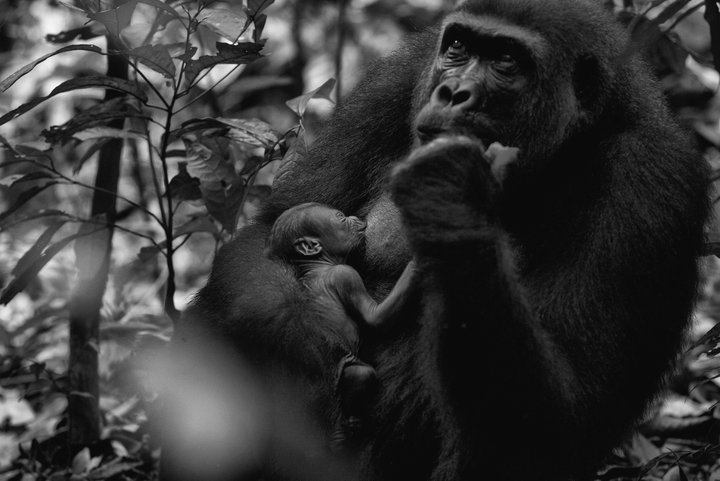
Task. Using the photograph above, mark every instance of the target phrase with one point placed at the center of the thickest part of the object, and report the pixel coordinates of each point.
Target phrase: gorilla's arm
(566, 309)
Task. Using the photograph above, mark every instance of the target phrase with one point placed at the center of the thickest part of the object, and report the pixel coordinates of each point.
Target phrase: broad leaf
(36, 250)
(95, 116)
(226, 23)
(148, 253)
(242, 53)
(257, 6)
(299, 104)
(259, 23)
(7, 83)
(19, 282)
(76, 84)
(221, 187)
(162, 6)
(188, 54)
(42, 213)
(253, 132)
(115, 19)
(81, 462)
(107, 132)
(23, 198)
(14, 179)
(197, 224)
(83, 33)
(183, 186)
(95, 147)
(156, 57)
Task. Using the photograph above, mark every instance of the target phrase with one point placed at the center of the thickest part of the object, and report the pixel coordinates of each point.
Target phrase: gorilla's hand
(446, 192)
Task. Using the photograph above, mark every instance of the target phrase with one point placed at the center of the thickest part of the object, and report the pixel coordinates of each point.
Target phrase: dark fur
(553, 304)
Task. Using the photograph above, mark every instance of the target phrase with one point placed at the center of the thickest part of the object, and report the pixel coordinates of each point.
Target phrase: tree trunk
(93, 261)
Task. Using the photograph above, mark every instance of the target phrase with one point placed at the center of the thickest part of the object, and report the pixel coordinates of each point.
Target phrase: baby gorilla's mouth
(357, 224)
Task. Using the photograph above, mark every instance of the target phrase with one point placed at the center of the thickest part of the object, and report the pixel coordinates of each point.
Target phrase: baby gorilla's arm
(361, 307)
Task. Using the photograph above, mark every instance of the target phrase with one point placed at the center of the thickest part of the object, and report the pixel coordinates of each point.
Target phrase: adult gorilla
(556, 288)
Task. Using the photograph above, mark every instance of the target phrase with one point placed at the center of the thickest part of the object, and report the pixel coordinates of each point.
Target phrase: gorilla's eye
(506, 64)
(456, 48)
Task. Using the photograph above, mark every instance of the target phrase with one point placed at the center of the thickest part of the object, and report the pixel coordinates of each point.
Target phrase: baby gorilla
(316, 241)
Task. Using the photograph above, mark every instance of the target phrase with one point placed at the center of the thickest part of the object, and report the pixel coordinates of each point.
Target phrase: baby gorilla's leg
(357, 388)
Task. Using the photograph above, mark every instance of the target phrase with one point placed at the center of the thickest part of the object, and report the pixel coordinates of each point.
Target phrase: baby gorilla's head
(313, 231)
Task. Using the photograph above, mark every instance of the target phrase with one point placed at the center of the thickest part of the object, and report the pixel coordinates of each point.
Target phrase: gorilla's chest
(386, 248)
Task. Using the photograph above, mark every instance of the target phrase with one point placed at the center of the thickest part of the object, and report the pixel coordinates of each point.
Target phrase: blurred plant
(158, 58)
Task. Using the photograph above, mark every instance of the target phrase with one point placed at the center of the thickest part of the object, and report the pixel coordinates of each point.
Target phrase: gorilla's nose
(456, 94)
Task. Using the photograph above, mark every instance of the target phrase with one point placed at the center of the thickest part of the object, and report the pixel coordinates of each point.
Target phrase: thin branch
(72, 181)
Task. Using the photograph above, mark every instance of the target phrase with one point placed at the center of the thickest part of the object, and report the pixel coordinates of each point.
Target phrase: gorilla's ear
(307, 246)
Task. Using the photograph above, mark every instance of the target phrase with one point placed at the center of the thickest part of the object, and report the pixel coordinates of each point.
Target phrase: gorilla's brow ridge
(491, 26)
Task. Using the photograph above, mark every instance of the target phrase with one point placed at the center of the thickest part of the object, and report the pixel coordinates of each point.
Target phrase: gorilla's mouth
(427, 131)
(427, 134)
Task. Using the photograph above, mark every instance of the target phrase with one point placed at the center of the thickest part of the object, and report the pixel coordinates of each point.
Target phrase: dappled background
(173, 141)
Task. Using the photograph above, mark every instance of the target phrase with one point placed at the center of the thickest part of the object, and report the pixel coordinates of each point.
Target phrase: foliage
(215, 159)
(202, 173)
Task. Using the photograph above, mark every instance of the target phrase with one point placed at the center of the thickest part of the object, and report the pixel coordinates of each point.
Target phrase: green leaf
(107, 132)
(183, 186)
(148, 253)
(42, 213)
(25, 152)
(24, 197)
(242, 53)
(19, 282)
(157, 57)
(257, 6)
(7, 83)
(11, 180)
(259, 23)
(253, 132)
(188, 54)
(221, 187)
(95, 147)
(115, 19)
(76, 84)
(226, 23)
(162, 6)
(81, 461)
(36, 250)
(97, 115)
(83, 33)
(197, 224)
(299, 104)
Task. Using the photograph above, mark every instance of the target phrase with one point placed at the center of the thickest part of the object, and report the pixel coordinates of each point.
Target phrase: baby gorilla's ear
(307, 246)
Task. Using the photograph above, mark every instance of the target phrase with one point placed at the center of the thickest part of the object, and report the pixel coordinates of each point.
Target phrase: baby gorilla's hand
(446, 191)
